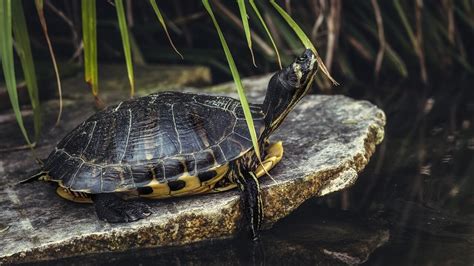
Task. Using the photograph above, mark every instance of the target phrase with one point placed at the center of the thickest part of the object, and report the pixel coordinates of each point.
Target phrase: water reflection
(421, 180)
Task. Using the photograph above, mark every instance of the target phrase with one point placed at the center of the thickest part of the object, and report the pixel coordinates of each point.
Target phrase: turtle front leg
(273, 155)
(252, 201)
(113, 209)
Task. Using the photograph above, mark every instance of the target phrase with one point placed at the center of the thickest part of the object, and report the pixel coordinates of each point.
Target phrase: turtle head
(287, 87)
(300, 73)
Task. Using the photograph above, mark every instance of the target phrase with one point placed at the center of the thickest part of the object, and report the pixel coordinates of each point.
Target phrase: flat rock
(328, 140)
(312, 235)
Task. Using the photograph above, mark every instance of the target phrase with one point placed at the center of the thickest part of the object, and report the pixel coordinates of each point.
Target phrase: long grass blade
(237, 81)
(138, 58)
(39, 8)
(464, 16)
(392, 57)
(262, 21)
(397, 61)
(345, 66)
(304, 39)
(163, 24)
(6, 52)
(381, 37)
(126, 43)
(284, 32)
(333, 23)
(26, 58)
(416, 39)
(419, 39)
(406, 24)
(237, 21)
(245, 24)
(89, 32)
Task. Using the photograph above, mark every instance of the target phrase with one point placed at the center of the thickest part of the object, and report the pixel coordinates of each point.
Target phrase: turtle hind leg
(113, 209)
(252, 202)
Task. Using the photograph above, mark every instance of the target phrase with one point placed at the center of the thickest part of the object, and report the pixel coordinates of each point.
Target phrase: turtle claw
(136, 210)
(113, 209)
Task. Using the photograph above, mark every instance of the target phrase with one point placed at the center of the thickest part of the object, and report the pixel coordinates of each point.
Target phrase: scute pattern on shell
(164, 135)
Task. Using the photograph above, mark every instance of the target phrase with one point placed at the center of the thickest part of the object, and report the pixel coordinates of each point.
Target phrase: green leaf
(163, 24)
(89, 35)
(237, 81)
(262, 21)
(26, 58)
(39, 8)
(466, 18)
(245, 23)
(397, 61)
(6, 52)
(287, 34)
(137, 57)
(392, 56)
(125, 43)
(303, 38)
(345, 65)
(405, 22)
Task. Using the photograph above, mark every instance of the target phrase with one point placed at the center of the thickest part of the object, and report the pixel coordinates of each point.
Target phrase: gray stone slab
(312, 235)
(328, 140)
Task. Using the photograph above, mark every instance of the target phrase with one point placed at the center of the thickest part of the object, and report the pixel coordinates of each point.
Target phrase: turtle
(171, 144)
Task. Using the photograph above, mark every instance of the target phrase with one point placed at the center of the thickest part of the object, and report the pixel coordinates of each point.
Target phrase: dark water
(421, 181)
(415, 199)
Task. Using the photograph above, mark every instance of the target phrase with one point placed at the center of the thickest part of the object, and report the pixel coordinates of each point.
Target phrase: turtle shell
(158, 139)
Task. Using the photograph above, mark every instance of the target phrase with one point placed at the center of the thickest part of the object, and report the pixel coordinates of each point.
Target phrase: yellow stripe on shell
(274, 154)
(66, 194)
(193, 185)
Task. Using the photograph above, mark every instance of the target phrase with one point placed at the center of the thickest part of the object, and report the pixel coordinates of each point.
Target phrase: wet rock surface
(327, 141)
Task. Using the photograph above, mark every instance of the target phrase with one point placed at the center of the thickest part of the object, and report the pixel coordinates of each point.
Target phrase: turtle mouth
(302, 69)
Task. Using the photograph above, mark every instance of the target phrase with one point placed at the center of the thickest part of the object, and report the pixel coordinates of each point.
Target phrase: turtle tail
(37, 176)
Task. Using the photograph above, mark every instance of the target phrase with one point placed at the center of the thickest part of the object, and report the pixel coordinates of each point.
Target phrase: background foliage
(362, 42)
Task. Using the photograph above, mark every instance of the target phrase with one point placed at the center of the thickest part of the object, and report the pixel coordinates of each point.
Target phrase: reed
(404, 40)
(126, 44)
